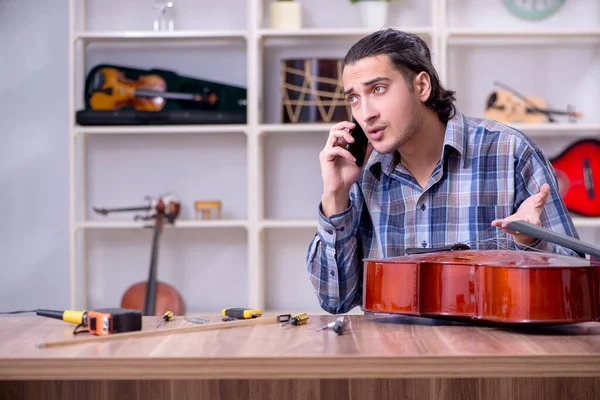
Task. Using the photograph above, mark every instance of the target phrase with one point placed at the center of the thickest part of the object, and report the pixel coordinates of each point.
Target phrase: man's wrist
(334, 203)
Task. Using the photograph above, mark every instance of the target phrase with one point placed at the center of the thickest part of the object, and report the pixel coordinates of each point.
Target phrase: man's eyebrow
(369, 83)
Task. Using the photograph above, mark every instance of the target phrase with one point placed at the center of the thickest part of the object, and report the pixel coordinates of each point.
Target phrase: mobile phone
(358, 148)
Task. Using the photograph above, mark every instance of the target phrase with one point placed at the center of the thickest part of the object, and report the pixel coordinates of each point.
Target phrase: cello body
(489, 286)
(167, 298)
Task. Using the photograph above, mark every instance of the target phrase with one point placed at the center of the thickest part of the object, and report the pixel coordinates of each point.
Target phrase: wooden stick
(157, 332)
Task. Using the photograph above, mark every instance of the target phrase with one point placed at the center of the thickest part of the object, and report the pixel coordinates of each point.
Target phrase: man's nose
(369, 112)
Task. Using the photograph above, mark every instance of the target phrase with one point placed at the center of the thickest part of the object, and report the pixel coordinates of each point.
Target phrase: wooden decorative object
(206, 209)
(312, 91)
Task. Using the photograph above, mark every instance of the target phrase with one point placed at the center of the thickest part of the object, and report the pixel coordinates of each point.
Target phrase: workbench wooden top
(373, 346)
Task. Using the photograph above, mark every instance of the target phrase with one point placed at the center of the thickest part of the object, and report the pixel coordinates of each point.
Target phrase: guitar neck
(169, 95)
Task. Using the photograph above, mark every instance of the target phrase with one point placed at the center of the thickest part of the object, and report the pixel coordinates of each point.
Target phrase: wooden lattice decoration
(312, 91)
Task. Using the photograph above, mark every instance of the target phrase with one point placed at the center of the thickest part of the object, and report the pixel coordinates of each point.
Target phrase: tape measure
(102, 322)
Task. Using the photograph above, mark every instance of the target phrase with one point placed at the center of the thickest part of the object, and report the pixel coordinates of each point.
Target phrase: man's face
(389, 113)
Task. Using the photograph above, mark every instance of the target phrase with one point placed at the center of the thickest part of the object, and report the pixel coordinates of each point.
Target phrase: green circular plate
(534, 9)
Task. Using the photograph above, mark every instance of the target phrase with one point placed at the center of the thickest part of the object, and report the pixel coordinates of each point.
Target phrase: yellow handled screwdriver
(298, 319)
(165, 318)
(241, 313)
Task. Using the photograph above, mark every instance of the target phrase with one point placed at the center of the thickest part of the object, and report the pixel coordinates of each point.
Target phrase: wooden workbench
(377, 357)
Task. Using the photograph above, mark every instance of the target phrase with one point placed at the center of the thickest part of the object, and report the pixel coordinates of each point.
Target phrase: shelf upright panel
(256, 274)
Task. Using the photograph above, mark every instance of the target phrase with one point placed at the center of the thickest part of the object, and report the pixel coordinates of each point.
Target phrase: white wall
(33, 156)
(207, 266)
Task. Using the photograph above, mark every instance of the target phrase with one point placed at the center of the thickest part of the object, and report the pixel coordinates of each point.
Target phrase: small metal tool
(196, 320)
(338, 326)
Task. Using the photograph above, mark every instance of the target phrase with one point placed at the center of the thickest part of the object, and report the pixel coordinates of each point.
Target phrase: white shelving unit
(256, 223)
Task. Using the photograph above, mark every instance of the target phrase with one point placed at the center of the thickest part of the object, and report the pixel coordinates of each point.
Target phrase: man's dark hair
(410, 55)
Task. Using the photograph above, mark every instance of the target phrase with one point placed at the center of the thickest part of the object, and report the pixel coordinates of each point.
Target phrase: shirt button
(424, 243)
(329, 231)
(332, 273)
(423, 207)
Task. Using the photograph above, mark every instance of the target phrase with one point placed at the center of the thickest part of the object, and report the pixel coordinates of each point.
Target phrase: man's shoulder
(489, 129)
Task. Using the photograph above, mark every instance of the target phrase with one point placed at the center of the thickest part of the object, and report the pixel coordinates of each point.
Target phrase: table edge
(328, 367)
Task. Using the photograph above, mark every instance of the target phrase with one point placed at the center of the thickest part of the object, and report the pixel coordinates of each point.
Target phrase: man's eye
(379, 89)
(351, 99)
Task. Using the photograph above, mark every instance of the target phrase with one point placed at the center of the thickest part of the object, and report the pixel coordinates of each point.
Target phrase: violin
(489, 286)
(506, 105)
(112, 90)
(153, 297)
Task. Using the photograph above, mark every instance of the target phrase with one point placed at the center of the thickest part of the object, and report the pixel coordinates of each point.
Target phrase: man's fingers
(343, 125)
(337, 151)
(339, 130)
(336, 135)
(542, 196)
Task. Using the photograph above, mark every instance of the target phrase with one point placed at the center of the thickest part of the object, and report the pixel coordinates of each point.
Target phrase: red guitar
(578, 172)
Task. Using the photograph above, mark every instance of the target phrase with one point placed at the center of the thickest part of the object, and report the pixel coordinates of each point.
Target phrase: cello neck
(552, 237)
(105, 211)
(150, 303)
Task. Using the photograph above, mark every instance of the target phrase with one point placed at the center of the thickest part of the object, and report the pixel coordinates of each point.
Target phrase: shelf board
(160, 129)
(163, 35)
(550, 129)
(557, 127)
(178, 224)
(330, 32)
(586, 222)
(468, 33)
(295, 128)
(300, 223)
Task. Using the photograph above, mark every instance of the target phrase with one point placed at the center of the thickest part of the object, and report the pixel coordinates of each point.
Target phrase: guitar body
(578, 172)
(486, 286)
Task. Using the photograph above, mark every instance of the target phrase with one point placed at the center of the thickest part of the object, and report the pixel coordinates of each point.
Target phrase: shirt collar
(455, 136)
(457, 132)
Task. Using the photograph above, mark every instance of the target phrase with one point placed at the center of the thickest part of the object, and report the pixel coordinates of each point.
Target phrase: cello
(153, 297)
(505, 287)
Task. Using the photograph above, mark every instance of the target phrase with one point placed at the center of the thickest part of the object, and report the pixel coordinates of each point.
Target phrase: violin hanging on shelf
(506, 287)
(153, 297)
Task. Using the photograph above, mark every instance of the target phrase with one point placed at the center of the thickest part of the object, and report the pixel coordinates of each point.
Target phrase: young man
(432, 176)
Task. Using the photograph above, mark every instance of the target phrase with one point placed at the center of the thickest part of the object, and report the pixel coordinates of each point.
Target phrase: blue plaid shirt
(486, 171)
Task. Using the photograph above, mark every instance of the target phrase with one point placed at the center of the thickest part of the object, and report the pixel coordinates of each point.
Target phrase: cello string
(499, 244)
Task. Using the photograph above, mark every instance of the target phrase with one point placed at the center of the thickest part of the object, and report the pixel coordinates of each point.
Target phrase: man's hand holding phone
(340, 160)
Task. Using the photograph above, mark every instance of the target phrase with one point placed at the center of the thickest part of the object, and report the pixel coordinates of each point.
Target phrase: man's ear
(422, 84)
